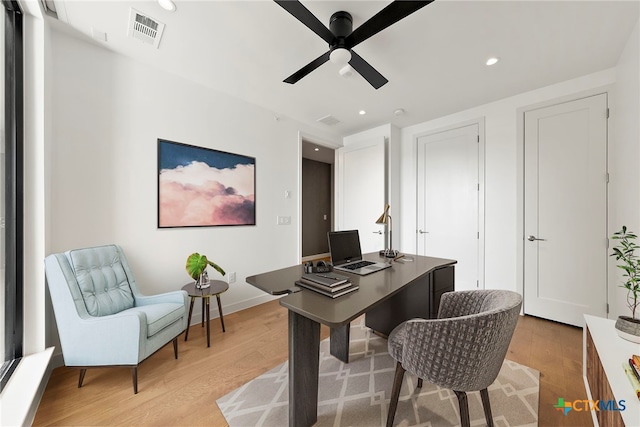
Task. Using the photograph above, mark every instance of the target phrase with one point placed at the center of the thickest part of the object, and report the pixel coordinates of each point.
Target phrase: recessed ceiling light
(316, 149)
(398, 112)
(362, 112)
(492, 61)
(167, 5)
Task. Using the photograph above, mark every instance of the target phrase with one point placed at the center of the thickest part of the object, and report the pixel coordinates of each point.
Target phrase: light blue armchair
(102, 318)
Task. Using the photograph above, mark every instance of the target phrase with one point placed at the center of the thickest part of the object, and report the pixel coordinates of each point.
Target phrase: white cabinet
(604, 353)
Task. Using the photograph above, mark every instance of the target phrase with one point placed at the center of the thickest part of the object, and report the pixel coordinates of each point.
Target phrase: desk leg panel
(304, 362)
(419, 299)
(411, 302)
(339, 343)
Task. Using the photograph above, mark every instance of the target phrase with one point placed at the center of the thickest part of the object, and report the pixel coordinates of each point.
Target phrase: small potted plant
(628, 327)
(197, 266)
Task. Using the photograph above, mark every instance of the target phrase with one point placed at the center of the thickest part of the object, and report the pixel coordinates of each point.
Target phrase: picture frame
(204, 187)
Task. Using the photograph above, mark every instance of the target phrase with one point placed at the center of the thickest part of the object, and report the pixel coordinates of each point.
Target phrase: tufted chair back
(102, 283)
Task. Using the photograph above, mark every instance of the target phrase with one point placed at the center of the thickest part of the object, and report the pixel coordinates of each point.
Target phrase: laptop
(346, 254)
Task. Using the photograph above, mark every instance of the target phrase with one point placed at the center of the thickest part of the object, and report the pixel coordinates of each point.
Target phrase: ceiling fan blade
(303, 15)
(370, 74)
(307, 68)
(388, 16)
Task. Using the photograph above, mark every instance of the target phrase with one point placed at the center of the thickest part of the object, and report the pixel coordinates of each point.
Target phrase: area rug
(358, 393)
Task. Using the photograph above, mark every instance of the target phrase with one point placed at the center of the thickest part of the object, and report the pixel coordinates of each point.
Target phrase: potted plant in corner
(197, 266)
(628, 327)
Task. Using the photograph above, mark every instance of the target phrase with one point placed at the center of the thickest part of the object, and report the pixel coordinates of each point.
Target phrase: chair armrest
(176, 297)
(116, 339)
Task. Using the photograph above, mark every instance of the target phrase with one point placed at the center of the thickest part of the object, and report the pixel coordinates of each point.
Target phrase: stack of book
(632, 369)
(330, 284)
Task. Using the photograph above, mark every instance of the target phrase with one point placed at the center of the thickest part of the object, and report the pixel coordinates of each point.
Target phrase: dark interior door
(316, 206)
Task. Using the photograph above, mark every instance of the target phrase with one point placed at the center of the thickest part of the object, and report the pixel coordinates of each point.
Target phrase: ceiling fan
(342, 38)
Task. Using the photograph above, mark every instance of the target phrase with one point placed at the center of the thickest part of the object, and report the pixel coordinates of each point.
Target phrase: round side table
(215, 289)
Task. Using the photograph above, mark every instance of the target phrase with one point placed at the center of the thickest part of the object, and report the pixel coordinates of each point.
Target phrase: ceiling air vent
(329, 120)
(145, 28)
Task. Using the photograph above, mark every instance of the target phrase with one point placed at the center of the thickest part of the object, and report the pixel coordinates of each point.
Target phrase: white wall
(391, 133)
(107, 113)
(501, 140)
(624, 158)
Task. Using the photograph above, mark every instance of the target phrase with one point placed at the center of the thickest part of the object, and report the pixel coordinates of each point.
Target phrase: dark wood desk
(388, 297)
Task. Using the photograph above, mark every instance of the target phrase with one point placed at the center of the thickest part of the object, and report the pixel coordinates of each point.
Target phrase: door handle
(534, 238)
(423, 232)
(377, 232)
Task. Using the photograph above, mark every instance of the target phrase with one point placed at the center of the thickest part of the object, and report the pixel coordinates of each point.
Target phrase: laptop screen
(344, 246)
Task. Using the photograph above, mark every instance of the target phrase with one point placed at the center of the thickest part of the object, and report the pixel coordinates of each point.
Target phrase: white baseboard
(232, 308)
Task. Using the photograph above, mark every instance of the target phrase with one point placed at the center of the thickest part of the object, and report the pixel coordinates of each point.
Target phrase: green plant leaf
(196, 264)
(630, 264)
(217, 267)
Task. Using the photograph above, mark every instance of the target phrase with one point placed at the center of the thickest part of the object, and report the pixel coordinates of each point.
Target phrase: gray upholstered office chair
(103, 319)
(462, 350)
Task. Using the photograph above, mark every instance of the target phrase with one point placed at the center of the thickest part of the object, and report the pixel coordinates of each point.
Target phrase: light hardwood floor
(183, 392)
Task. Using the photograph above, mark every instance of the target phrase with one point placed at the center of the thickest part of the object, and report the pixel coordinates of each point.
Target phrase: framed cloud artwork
(203, 187)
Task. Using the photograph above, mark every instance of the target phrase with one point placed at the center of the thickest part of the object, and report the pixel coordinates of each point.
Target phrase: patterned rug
(357, 393)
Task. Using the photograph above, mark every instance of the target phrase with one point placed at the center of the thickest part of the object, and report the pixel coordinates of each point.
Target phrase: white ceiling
(434, 59)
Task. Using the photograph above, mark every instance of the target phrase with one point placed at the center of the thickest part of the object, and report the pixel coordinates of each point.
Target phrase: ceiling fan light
(340, 56)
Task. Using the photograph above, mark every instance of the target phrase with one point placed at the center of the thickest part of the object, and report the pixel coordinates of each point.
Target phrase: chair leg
(175, 347)
(395, 393)
(419, 382)
(464, 408)
(134, 377)
(486, 404)
(81, 379)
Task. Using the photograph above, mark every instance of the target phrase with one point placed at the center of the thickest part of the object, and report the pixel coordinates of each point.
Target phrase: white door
(362, 191)
(565, 224)
(448, 201)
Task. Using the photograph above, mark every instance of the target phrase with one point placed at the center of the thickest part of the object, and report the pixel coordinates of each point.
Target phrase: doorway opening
(317, 199)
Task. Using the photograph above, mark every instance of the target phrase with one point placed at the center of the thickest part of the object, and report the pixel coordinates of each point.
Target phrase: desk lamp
(385, 218)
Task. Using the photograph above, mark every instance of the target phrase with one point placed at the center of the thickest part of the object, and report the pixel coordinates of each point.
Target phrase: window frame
(14, 196)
